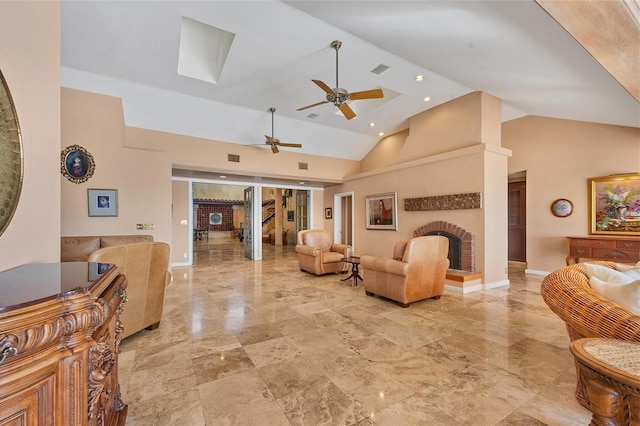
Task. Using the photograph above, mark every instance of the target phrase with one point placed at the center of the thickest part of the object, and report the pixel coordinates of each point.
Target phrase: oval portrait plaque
(11, 160)
(77, 164)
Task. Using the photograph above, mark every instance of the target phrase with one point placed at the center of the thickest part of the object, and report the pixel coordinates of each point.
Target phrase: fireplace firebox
(461, 243)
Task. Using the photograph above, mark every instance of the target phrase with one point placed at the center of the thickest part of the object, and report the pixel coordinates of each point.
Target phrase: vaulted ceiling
(188, 83)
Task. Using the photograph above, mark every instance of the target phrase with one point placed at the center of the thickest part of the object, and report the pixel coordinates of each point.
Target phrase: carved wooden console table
(59, 338)
(614, 248)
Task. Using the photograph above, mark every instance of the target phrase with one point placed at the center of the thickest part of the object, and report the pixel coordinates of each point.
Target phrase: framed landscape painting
(382, 211)
(614, 204)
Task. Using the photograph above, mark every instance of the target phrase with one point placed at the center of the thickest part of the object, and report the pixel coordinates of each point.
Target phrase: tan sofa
(146, 267)
(317, 253)
(78, 249)
(417, 270)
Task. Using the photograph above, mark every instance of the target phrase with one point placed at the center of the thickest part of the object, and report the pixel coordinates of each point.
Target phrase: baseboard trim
(464, 289)
(470, 286)
(536, 272)
(496, 284)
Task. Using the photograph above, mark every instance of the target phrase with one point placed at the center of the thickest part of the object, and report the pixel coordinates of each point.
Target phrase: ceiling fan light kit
(339, 96)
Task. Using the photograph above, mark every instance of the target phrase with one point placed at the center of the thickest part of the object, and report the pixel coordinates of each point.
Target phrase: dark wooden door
(517, 221)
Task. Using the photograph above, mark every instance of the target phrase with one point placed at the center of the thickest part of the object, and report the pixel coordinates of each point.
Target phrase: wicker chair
(586, 314)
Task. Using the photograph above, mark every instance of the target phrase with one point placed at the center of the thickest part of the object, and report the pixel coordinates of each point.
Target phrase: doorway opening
(343, 218)
(517, 220)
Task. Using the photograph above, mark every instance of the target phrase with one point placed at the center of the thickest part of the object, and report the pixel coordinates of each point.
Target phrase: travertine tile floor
(261, 343)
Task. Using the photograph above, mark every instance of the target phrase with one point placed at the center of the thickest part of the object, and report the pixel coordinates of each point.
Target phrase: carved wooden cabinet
(615, 248)
(59, 339)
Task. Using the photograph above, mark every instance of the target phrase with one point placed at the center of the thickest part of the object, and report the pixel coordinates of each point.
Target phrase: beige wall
(441, 129)
(558, 157)
(209, 155)
(142, 177)
(385, 153)
(466, 159)
(30, 63)
(491, 244)
(138, 163)
(180, 233)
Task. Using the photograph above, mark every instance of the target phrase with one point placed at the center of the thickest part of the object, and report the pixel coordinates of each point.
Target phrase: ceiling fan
(340, 96)
(275, 143)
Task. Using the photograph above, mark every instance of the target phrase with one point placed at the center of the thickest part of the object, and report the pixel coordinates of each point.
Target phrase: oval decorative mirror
(11, 160)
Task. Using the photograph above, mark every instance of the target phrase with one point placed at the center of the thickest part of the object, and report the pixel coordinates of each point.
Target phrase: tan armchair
(417, 270)
(145, 265)
(317, 253)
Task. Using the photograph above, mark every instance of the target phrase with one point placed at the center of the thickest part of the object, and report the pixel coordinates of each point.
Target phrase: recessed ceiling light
(301, 183)
(381, 134)
(427, 99)
(372, 124)
(419, 77)
(223, 177)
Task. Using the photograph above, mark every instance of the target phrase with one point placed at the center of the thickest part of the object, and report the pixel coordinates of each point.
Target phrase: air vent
(312, 116)
(380, 69)
(303, 166)
(233, 158)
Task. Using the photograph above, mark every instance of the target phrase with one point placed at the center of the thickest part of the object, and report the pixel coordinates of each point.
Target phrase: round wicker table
(609, 370)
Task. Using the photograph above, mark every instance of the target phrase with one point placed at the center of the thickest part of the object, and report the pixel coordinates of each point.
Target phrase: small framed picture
(96, 270)
(103, 202)
(76, 164)
(382, 211)
(328, 213)
(290, 217)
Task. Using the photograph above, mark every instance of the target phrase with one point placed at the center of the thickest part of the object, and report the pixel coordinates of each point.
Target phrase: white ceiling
(510, 49)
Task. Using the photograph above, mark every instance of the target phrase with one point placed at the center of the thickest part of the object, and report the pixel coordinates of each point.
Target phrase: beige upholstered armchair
(317, 253)
(417, 270)
(145, 265)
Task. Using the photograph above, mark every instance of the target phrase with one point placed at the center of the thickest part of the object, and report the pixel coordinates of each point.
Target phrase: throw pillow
(609, 275)
(633, 269)
(626, 295)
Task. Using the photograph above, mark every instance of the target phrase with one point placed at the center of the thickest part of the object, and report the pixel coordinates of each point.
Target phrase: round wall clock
(562, 207)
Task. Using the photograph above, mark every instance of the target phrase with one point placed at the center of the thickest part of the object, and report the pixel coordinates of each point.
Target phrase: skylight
(203, 50)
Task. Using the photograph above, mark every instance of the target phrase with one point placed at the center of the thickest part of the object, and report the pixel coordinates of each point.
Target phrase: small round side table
(609, 374)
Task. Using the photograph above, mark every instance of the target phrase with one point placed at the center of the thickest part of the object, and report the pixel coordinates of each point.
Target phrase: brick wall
(203, 212)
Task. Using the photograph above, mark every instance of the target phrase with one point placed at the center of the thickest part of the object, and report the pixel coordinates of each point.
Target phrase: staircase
(268, 212)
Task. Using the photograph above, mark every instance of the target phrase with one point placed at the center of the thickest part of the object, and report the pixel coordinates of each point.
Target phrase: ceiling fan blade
(367, 94)
(274, 149)
(312, 105)
(270, 140)
(347, 111)
(324, 87)
(291, 145)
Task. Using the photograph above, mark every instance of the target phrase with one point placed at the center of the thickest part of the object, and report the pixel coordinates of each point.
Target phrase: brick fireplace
(461, 243)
